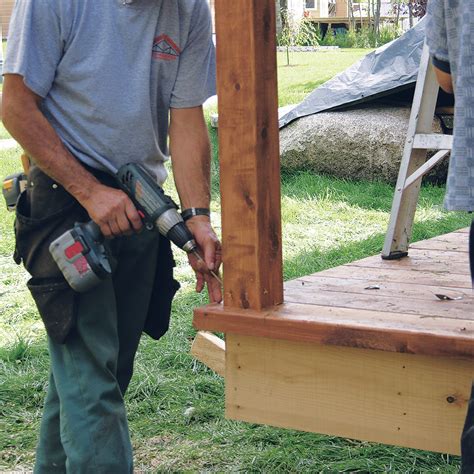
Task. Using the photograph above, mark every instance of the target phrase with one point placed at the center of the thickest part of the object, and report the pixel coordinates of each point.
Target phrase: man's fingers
(114, 228)
(210, 249)
(214, 289)
(218, 257)
(133, 216)
(106, 231)
(124, 225)
(199, 282)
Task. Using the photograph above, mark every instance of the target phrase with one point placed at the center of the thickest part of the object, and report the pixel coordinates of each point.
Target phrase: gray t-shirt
(109, 71)
(450, 38)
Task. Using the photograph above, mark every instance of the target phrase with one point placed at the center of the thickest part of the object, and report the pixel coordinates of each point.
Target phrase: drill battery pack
(81, 256)
(12, 186)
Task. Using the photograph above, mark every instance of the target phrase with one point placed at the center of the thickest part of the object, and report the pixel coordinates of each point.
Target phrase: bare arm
(22, 117)
(191, 155)
(445, 80)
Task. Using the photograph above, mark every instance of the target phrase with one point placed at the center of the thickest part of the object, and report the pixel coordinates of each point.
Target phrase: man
(450, 37)
(89, 86)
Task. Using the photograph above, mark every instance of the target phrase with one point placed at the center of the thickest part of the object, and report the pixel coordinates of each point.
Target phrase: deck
(365, 350)
(373, 304)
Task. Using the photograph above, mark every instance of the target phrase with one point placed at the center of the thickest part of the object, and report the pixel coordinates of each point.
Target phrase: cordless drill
(80, 253)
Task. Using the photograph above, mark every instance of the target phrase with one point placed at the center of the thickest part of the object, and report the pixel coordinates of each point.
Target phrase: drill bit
(214, 274)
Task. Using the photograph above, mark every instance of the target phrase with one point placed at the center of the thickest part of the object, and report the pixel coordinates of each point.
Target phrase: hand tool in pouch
(12, 186)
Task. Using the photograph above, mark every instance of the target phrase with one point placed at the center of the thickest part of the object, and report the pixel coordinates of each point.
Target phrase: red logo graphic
(165, 48)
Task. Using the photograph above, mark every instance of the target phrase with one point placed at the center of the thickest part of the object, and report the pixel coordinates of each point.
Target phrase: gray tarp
(388, 69)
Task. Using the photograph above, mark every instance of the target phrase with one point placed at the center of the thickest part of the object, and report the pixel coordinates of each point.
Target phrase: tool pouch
(44, 212)
(164, 289)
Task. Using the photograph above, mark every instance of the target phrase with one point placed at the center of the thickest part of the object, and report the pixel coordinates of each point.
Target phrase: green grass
(3, 133)
(168, 380)
(309, 70)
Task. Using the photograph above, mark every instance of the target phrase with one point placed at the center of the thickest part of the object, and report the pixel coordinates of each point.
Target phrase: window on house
(310, 4)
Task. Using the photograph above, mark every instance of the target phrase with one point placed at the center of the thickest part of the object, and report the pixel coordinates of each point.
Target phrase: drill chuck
(171, 225)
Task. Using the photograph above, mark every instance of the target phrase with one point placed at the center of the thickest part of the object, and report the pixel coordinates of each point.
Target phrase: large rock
(365, 143)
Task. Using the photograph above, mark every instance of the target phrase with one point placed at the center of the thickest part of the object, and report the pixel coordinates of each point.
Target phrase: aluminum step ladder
(420, 139)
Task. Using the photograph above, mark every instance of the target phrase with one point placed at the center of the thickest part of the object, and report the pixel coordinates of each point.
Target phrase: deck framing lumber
(400, 399)
(210, 350)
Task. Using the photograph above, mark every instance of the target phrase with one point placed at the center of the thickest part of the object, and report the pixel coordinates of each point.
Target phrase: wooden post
(249, 153)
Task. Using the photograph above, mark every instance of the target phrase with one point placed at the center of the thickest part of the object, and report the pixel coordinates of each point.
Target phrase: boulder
(363, 143)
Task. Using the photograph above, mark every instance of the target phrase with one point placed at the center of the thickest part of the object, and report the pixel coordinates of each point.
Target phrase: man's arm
(190, 156)
(443, 75)
(437, 41)
(110, 208)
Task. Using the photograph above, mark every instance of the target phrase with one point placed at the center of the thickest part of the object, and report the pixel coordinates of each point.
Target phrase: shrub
(329, 38)
(344, 38)
(365, 38)
(298, 32)
(388, 33)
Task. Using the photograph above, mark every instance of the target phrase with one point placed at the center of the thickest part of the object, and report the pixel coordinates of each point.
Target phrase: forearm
(26, 123)
(443, 74)
(191, 156)
(445, 80)
(110, 208)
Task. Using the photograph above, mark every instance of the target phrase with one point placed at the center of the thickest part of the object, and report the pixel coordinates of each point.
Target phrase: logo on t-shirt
(165, 48)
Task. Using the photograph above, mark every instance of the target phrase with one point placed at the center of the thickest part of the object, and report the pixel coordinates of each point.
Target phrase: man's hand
(210, 249)
(113, 211)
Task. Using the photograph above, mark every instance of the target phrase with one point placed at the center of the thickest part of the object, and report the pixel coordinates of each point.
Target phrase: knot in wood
(244, 300)
(248, 200)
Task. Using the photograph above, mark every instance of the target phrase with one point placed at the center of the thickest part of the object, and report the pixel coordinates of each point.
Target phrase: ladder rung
(433, 141)
(428, 166)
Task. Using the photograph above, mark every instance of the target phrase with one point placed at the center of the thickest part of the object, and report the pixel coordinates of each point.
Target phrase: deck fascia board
(344, 327)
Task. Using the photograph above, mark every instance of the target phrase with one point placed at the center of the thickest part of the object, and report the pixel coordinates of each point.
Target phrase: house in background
(337, 14)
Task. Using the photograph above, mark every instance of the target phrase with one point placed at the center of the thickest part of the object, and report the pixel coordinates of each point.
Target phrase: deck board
(335, 307)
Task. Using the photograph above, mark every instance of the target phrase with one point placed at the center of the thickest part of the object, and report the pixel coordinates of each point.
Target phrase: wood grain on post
(249, 153)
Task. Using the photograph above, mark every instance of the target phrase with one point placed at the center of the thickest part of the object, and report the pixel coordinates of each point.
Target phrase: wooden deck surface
(372, 304)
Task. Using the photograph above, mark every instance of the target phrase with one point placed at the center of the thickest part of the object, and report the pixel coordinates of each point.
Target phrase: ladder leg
(405, 200)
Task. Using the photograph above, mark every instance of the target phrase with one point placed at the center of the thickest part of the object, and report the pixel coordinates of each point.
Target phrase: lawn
(167, 436)
(309, 70)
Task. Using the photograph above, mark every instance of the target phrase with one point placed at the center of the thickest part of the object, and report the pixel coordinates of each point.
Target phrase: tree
(279, 24)
(378, 7)
(351, 14)
(414, 8)
(296, 32)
